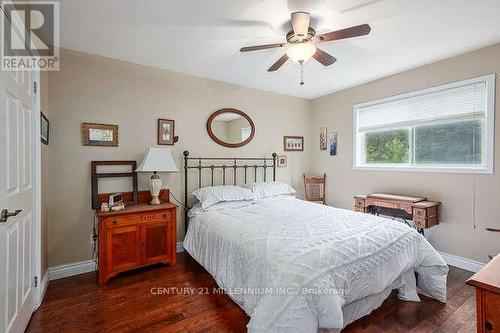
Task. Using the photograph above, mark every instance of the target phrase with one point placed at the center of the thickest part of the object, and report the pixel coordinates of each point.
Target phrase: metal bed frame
(214, 163)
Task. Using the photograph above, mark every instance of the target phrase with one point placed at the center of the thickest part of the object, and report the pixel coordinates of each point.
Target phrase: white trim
(38, 295)
(81, 267)
(76, 268)
(490, 80)
(463, 263)
(44, 284)
(180, 247)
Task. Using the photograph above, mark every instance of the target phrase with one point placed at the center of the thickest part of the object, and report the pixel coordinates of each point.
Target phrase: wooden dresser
(487, 283)
(138, 236)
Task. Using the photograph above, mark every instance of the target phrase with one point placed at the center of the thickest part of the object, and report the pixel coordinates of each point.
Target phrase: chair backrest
(315, 188)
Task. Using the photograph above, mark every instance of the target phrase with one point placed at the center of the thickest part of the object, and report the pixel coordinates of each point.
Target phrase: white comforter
(293, 265)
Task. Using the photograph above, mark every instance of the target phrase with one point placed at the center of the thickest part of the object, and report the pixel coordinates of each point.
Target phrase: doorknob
(4, 215)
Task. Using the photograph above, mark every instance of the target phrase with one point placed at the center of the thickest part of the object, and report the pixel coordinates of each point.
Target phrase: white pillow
(271, 189)
(208, 196)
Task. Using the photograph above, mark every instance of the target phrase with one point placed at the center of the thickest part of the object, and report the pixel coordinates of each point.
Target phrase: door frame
(42, 281)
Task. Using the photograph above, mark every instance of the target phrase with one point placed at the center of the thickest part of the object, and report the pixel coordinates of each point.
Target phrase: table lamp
(156, 160)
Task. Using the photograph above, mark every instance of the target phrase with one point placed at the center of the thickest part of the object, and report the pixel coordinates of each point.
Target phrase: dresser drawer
(150, 217)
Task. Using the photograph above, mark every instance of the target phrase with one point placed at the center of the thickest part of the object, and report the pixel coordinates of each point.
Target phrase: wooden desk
(487, 283)
(424, 213)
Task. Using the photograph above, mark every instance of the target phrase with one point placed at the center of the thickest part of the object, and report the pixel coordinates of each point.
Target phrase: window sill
(436, 169)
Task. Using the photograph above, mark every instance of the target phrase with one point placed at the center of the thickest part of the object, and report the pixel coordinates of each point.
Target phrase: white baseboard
(463, 263)
(180, 247)
(43, 286)
(42, 289)
(62, 271)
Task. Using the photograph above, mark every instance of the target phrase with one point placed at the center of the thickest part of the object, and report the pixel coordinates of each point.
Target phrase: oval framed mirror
(230, 128)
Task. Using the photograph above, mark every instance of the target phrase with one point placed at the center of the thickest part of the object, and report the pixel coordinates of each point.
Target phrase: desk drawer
(425, 217)
(150, 217)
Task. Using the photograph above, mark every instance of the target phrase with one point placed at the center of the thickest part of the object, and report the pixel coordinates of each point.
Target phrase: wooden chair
(315, 188)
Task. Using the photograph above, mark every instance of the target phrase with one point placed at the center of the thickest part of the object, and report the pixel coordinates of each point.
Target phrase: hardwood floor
(127, 304)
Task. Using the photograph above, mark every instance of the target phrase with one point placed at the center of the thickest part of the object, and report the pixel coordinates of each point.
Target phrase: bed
(297, 266)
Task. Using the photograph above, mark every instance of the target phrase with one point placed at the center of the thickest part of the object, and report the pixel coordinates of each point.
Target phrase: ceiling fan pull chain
(301, 73)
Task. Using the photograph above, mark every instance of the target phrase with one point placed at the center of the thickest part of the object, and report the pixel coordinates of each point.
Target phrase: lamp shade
(157, 160)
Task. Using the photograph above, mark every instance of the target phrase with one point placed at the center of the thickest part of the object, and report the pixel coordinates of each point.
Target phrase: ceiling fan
(302, 39)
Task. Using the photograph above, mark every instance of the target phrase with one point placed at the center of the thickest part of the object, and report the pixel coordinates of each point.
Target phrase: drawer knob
(114, 222)
(488, 325)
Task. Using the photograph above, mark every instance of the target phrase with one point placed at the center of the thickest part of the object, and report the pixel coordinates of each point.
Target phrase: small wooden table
(423, 212)
(487, 283)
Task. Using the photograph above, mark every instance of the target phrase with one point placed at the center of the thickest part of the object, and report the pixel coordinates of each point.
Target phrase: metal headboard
(215, 163)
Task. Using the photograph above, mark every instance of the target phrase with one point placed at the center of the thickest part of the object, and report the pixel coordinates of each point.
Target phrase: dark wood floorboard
(126, 304)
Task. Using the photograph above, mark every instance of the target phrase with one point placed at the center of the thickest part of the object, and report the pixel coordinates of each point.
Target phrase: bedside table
(138, 236)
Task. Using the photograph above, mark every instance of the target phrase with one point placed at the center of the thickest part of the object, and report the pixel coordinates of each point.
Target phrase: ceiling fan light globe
(301, 52)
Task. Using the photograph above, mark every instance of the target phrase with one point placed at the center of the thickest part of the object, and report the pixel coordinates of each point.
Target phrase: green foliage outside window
(452, 143)
(449, 143)
(387, 146)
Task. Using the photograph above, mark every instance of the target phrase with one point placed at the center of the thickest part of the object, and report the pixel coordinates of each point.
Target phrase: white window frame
(489, 127)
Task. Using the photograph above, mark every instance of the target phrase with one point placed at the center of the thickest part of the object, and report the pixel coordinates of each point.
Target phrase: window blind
(467, 101)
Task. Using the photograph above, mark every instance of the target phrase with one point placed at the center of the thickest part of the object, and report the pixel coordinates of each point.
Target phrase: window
(443, 129)
(245, 133)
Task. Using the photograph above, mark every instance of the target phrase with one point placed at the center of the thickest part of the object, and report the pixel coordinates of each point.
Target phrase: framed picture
(333, 144)
(293, 143)
(281, 161)
(166, 131)
(44, 129)
(323, 144)
(103, 135)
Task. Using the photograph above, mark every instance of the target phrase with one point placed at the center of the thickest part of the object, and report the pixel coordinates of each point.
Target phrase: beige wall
(97, 89)
(45, 173)
(455, 235)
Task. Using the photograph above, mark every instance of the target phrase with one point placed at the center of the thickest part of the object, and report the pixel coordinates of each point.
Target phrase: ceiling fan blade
(300, 24)
(358, 30)
(261, 47)
(324, 58)
(278, 63)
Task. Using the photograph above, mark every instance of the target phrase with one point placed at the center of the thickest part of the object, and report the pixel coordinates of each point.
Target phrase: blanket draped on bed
(293, 265)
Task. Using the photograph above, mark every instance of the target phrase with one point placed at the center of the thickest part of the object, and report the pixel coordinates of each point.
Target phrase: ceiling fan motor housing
(292, 38)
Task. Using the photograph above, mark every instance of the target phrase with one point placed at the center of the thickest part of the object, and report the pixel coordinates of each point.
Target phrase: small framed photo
(102, 135)
(323, 144)
(281, 161)
(166, 131)
(293, 143)
(333, 144)
(44, 129)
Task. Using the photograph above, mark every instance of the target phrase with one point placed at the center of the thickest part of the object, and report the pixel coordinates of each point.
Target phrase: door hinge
(34, 87)
(36, 281)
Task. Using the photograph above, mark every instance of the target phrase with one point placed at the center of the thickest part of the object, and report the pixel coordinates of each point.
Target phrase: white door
(17, 175)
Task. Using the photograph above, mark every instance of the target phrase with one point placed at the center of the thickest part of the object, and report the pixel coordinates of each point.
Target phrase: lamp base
(155, 200)
(154, 188)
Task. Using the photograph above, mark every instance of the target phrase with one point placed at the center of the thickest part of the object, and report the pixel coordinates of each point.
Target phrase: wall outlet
(91, 238)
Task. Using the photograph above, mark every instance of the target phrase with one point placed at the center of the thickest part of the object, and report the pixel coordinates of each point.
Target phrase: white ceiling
(202, 38)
